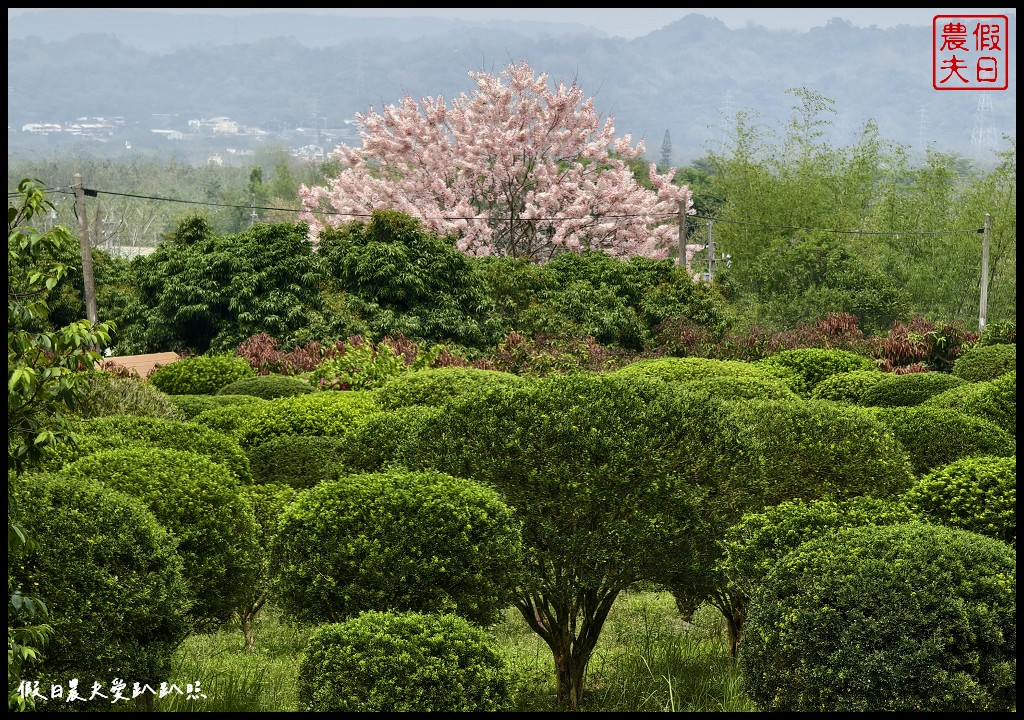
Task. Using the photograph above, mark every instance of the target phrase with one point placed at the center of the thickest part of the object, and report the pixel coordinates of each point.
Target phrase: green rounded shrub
(267, 387)
(126, 431)
(994, 400)
(320, 413)
(198, 502)
(105, 394)
(846, 387)
(909, 389)
(436, 386)
(200, 375)
(685, 369)
(934, 436)
(977, 494)
(403, 662)
(231, 418)
(188, 407)
(812, 365)
(741, 387)
(999, 333)
(985, 362)
(300, 461)
(111, 579)
(909, 617)
(401, 540)
(376, 442)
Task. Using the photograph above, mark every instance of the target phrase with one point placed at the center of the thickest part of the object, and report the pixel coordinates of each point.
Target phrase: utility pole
(983, 309)
(83, 243)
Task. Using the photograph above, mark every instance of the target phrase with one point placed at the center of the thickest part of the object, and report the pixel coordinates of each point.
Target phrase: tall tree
(513, 169)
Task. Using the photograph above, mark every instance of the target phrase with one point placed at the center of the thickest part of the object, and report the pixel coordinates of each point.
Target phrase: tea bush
(190, 406)
(935, 436)
(994, 400)
(847, 387)
(111, 578)
(104, 394)
(909, 617)
(437, 385)
(201, 374)
(403, 662)
(267, 387)
(378, 440)
(198, 502)
(300, 461)
(906, 390)
(320, 413)
(977, 494)
(985, 362)
(812, 365)
(399, 540)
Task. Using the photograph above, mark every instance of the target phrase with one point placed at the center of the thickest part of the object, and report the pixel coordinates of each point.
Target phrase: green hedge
(111, 580)
(402, 540)
(376, 442)
(905, 618)
(985, 362)
(403, 662)
(994, 400)
(267, 387)
(935, 436)
(198, 502)
(126, 431)
(847, 387)
(909, 389)
(104, 394)
(977, 494)
(810, 366)
(438, 385)
(300, 461)
(320, 413)
(188, 407)
(200, 375)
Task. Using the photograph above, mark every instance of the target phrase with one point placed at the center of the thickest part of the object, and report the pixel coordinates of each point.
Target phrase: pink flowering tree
(513, 169)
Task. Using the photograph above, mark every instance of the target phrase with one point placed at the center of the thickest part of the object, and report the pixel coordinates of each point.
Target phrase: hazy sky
(631, 22)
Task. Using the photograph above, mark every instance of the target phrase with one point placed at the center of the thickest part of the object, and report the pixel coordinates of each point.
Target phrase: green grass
(647, 660)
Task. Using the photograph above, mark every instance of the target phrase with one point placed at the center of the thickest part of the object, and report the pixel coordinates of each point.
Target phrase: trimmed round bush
(268, 387)
(985, 362)
(812, 365)
(229, 419)
(403, 662)
(320, 413)
(994, 400)
(934, 436)
(686, 369)
(770, 451)
(189, 406)
(111, 579)
(198, 502)
(125, 431)
(910, 617)
(376, 442)
(402, 540)
(200, 375)
(436, 386)
(977, 494)
(741, 387)
(846, 387)
(300, 461)
(909, 389)
(105, 394)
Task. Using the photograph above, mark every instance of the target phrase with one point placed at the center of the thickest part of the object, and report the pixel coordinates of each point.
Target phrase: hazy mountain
(286, 71)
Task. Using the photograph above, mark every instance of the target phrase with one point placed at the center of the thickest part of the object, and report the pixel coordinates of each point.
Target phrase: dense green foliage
(806, 367)
(906, 390)
(936, 436)
(360, 367)
(741, 387)
(675, 370)
(377, 441)
(407, 541)
(111, 578)
(267, 387)
(909, 617)
(985, 362)
(198, 502)
(319, 413)
(976, 493)
(114, 432)
(201, 374)
(605, 475)
(846, 387)
(105, 394)
(188, 407)
(436, 386)
(403, 662)
(299, 461)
